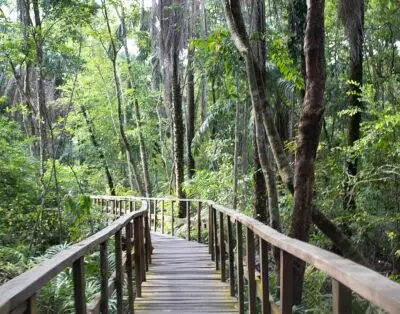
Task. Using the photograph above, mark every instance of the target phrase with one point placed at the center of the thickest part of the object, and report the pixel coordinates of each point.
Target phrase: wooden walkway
(182, 279)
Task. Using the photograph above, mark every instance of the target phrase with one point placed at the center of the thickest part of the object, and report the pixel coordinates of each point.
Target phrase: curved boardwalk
(182, 279)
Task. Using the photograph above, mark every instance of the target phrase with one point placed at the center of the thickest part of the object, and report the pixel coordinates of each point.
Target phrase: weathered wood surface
(182, 279)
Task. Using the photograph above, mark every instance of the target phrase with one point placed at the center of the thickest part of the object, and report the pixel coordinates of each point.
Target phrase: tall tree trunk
(118, 91)
(260, 197)
(99, 149)
(203, 83)
(260, 104)
(178, 132)
(190, 94)
(309, 132)
(42, 111)
(352, 16)
(136, 110)
(236, 154)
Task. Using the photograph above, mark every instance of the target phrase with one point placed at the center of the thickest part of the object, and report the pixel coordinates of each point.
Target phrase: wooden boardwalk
(182, 279)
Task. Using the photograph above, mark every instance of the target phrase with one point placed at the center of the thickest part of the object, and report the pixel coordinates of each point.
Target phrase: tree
(352, 16)
(309, 132)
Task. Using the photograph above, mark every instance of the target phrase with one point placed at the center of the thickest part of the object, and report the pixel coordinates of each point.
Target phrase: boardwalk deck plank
(182, 280)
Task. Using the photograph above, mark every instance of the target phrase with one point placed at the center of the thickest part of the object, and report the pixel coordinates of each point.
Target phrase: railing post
(130, 206)
(118, 270)
(78, 274)
(104, 278)
(210, 233)
(138, 266)
(32, 305)
(155, 215)
(199, 222)
(142, 254)
(286, 291)
(188, 219)
(172, 218)
(251, 270)
(265, 305)
(231, 257)
(148, 241)
(222, 246)
(215, 230)
(129, 266)
(341, 298)
(239, 263)
(162, 216)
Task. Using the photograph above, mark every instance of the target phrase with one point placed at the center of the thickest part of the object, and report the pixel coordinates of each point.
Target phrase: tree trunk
(352, 15)
(203, 83)
(190, 95)
(309, 132)
(99, 150)
(42, 111)
(260, 197)
(136, 110)
(260, 104)
(118, 91)
(178, 133)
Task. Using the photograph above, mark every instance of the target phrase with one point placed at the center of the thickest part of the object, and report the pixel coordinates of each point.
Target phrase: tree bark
(42, 111)
(352, 15)
(118, 91)
(260, 103)
(190, 95)
(99, 149)
(136, 110)
(178, 133)
(309, 132)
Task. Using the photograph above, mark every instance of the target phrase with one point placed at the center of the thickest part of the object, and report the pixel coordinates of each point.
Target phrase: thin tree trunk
(42, 111)
(203, 83)
(190, 96)
(236, 155)
(352, 15)
(309, 133)
(260, 103)
(99, 150)
(118, 91)
(136, 110)
(178, 133)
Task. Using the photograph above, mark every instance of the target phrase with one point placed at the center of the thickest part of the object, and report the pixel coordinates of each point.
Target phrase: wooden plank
(78, 275)
(118, 268)
(188, 220)
(215, 240)
(286, 300)
(210, 233)
(222, 246)
(265, 305)
(341, 298)
(129, 268)
(239, 264)
(104, 277)
(172, 219)
(251, 271)
(138, 266)
(199, 222)
(162, 216)
(231, 257)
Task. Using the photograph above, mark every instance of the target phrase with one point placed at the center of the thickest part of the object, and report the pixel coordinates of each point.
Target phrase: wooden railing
(235, 257)
(19, 294)
(224, 231)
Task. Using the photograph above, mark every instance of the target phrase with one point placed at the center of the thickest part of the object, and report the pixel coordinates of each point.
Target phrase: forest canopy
(286, 111)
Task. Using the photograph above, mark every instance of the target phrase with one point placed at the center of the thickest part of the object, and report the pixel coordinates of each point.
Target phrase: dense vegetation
(155, 98)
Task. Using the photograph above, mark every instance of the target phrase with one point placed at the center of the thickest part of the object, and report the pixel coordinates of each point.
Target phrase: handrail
(225, 231)
(347, 276)
(18, 294)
